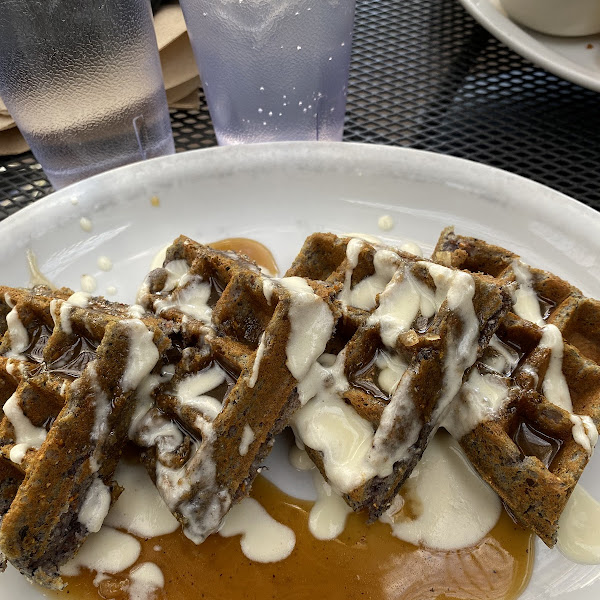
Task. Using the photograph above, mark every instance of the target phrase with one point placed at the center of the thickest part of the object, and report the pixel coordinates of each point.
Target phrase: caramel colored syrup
(366, 561)
(258, 252)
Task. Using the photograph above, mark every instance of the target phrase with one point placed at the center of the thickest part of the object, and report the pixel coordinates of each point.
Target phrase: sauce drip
(364, 562)
(254, 250)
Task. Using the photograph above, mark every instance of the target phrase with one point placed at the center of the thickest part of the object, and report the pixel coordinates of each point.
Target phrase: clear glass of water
(273, 70)
(82, 80)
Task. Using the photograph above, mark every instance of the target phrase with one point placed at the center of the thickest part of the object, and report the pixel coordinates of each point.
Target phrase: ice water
(117, 131)
(273, 70)
(103, 136)
(82, 80)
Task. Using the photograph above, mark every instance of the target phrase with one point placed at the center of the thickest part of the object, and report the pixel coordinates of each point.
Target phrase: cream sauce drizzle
(556, 390)
(104, 263)
(88, 283)
(139, 509)
(299, 459)
(108, 551)
(584, 432)
(19, 338)
(412, 248)
(61, 313)
(391, 368)
(311, 324)
(27, 435)
(263, 538)
(136, 311)
(247, 439)
(14, 365)
(526, 303)
(268, 288)
(191, 299)
(448, 506)
(399, 305)
(385, 222)
(579, 528)
(328, 514)
(256, 364)
(193, 391)
(554, 386)
(80, 299)
(364, 293)
(159, 258)
(8, 300)
(327, 424)
(144, 580)
(353, 248)
(176, 270)
(143, 398)
(95, 506)
(143, 354)
(480, 398)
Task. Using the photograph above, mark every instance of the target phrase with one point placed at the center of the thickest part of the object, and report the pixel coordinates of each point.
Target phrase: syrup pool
(366, 561)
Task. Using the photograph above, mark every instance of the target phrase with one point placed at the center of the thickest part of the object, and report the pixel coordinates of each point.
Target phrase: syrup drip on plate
(258, 252)
(365, 561)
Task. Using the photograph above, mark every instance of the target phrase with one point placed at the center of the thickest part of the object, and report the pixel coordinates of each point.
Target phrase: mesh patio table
(426, 75)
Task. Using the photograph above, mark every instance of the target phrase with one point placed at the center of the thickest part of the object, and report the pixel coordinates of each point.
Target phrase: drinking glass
(82, 80)
(273, 70)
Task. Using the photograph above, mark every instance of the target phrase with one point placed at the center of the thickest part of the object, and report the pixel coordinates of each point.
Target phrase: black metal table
(425, 75)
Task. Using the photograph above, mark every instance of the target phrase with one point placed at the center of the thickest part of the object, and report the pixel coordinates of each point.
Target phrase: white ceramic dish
(567, 57)
(278, 194)
(556, 17)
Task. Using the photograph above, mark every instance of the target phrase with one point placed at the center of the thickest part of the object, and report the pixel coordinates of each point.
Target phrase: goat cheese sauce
(367, 560)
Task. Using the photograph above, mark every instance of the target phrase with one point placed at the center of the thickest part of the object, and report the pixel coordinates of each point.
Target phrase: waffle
(69, 370)
(408, 333)
(208, 427)
(533, 447)
(399, 344)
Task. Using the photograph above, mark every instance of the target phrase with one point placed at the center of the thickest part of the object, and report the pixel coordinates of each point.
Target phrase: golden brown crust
(534, 491)
(67, 381)
(241, 318)
(58, 380)
(424, 348)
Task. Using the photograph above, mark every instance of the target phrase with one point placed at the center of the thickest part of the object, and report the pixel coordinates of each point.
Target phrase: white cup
(556, 17)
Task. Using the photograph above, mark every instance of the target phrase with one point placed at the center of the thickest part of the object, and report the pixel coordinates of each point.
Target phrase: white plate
(280, 193)
(567, 57)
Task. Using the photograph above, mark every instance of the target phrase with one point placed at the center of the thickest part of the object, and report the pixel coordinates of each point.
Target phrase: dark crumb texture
(534, 485)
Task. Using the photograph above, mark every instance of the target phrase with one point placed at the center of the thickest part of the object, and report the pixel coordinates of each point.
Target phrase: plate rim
(409, 163)
(520, 41)
(405, 164)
